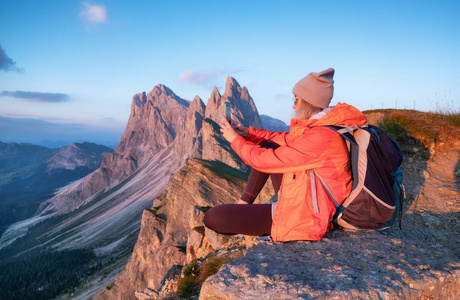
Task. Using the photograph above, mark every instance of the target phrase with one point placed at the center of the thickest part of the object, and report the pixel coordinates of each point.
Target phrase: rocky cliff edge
(421, 261)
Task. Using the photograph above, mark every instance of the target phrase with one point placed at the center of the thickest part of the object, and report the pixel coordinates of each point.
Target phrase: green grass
(188, 285)
(225, 171)
(196, 273)
(426, 127)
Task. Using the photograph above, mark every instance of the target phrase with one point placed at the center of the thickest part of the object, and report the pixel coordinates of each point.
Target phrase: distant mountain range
(55, 135)
(273, 124)
(30, 174)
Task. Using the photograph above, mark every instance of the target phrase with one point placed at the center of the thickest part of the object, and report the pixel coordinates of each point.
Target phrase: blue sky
(75, 65)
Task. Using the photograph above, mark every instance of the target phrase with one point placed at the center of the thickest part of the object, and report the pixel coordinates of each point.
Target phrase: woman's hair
(306, 110)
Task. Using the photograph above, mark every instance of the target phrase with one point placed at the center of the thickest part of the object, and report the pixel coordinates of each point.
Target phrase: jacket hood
(340, 115)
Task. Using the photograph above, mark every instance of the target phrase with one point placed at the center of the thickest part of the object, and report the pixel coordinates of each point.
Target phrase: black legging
(246, 219)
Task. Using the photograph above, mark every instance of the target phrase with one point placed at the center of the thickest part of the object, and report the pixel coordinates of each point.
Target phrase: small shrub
(395, 131)
(195, 274)
(199, 229)
(110, 286)
(187, 285)
(212, 266)
(154, 212)
(191, 269)
(204, 208)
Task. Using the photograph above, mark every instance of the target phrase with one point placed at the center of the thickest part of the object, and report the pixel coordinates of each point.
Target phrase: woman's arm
(256, 136)
(308, 152)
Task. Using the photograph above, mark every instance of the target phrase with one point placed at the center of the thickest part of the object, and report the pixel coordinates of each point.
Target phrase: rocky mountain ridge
(201, 140)
(78, 155)
(273, 124)
(172, 232)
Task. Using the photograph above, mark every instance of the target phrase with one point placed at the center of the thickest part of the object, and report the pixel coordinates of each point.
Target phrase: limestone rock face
(172, 232)
(244, 111)
(190, 139)
(243, 107)
(154, 254)
(156, 119)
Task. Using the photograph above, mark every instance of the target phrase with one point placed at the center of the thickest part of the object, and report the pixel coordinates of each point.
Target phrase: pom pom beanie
(316, 88)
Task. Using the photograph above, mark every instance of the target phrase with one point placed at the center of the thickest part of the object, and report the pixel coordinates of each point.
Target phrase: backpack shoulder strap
(346, 131)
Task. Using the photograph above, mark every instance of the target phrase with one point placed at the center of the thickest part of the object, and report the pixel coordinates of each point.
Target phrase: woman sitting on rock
(297, 161)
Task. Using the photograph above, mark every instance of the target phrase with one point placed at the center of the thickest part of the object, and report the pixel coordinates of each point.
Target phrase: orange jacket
(307, 147)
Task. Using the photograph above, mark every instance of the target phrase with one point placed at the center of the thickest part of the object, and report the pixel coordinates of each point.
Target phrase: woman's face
(296, 105)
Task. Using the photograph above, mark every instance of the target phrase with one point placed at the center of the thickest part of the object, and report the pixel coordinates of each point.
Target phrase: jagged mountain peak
(231, 82)
(196, 99)
(234, 93)
(163, 89)
(159, 94)
(215, 90)
(215, 95)
(234, 90)
(197, 105)
(160, 91)
(140, 99)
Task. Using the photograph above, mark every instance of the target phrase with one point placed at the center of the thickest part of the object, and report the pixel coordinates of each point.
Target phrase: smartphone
(228, 111)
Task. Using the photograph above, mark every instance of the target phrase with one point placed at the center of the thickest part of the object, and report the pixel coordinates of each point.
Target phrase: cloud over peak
(37, 96)
(192, 76)
(93, 14)
(6, 63)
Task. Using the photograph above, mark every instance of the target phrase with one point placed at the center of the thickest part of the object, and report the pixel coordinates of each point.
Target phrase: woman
(298, 161)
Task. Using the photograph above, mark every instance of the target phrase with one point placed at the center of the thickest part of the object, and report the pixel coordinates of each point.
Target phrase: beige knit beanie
(316, 88)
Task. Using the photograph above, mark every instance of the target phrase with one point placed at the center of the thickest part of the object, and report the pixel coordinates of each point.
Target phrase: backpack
(376, 197)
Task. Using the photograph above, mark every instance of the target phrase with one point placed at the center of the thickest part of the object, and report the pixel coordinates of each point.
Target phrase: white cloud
(93, 14)
(281, 96)
(37, 96)
(193, 76)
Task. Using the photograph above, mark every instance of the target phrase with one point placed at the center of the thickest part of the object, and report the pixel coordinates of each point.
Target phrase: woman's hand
(240, 129)
(227, 130)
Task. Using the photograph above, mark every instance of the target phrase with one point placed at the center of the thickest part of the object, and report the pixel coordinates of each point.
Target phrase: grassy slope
(408, 126)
